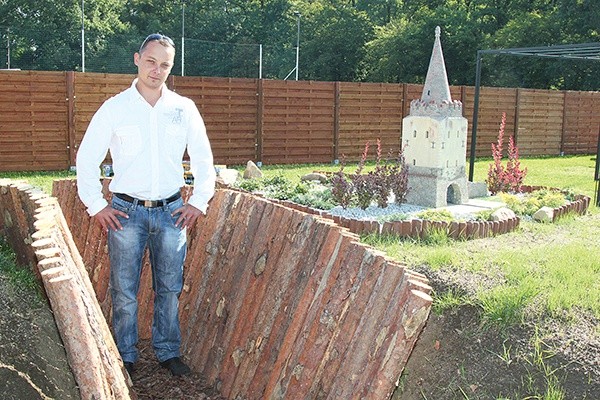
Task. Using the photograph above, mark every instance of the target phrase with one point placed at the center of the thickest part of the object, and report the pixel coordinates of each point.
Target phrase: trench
(277, 303)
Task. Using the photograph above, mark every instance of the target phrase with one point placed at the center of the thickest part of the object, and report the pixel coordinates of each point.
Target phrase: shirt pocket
(129, 139)
(176, 139)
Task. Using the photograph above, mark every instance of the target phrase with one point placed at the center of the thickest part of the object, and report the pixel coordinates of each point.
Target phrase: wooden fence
(43, 116)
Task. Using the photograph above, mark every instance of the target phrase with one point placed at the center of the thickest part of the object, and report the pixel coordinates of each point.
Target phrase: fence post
(260, 109)
(564, 124)
(517, 114)
(336, 121)
(71, 147)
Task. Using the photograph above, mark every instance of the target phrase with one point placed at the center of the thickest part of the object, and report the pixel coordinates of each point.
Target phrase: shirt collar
(136, 95)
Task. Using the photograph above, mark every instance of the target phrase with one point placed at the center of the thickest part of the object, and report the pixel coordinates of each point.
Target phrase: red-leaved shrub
(501, 178)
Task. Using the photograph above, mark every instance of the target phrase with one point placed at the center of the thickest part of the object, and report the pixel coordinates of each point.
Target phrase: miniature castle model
(434, 139)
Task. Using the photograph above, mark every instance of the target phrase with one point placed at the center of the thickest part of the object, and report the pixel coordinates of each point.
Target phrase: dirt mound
(456, 357)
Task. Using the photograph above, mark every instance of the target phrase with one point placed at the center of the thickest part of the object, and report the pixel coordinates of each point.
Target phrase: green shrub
(485, 215)
(250, 185)
(320, 199)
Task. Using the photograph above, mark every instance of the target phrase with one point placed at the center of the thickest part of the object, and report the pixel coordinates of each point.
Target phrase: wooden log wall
(278, 303)
(37, 230)
(43, 116)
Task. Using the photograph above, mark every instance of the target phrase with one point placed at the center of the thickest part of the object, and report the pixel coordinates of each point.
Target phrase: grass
(21, 278)
(576, 172)
(41, 179)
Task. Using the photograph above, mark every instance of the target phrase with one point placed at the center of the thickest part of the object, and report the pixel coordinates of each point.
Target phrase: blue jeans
(153, 228)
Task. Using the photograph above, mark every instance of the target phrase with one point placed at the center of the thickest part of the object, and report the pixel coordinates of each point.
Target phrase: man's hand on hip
(188, 215)
(107, 218)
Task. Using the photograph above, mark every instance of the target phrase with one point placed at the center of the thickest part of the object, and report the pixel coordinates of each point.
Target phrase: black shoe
(176, 366)
(129, 368)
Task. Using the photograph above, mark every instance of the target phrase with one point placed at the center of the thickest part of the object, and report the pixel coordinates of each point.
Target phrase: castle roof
(436, 87)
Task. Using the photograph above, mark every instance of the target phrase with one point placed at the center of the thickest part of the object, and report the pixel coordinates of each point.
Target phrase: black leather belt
(149, 203)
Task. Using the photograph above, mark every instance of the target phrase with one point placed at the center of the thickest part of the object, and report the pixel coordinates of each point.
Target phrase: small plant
(485, 215)
(393, 217)
(435, 236)
(363, 184)
(281, 188)
(250, 185)
(398, 179)
(450, 300)
(364, 188)
(511, 177)
(320, 199)
(380, 178)
(21, 277)
(341, 187)
(530, 203)
(436, 215)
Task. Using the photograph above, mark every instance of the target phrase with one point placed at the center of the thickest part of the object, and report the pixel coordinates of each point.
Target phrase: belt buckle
(149, 203)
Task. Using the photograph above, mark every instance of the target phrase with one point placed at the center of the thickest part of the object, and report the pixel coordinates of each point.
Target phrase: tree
(47, 34)
(332, 42)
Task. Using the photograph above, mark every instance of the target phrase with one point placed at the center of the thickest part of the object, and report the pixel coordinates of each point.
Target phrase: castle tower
(434, 138)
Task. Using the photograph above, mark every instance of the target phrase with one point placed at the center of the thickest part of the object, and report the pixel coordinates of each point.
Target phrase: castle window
(443, 145)
(463, 143)
(414, 162)
(433, 145)
(448, 134)
(457, 134)
(426, 134)
(447, 163)
(415, 133)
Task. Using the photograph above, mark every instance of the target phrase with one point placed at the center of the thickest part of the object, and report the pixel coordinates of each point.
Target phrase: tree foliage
(340, 40)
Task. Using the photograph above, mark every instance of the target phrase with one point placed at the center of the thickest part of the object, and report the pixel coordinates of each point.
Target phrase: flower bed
(417, 228)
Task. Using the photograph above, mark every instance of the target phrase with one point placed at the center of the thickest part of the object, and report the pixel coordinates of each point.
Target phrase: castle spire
(436, 88)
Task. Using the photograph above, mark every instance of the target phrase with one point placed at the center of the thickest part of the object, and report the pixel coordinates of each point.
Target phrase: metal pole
(82, 37)
(298, 44)
(260, 55)
(597, 172)
(8, 48)
(475, 116)
(183, 38)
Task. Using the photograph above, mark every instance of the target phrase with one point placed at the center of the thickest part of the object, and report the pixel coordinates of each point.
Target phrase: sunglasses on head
(157, 37)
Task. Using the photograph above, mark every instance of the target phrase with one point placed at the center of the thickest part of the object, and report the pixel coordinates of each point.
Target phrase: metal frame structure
(583, 51)
(597, 172)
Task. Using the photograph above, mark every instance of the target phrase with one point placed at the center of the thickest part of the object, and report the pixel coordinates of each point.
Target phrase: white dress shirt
(146, 146)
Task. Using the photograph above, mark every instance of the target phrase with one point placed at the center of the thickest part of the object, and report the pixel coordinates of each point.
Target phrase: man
(147, 128)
